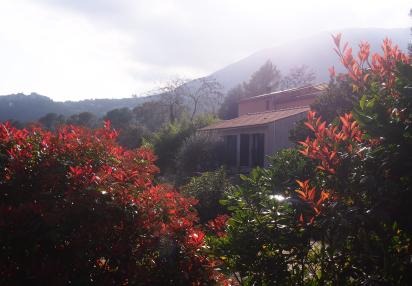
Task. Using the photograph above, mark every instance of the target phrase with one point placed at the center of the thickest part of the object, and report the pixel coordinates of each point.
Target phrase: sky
(77, 49)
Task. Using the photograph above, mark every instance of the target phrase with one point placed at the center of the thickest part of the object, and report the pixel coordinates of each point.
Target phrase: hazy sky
(81, 49)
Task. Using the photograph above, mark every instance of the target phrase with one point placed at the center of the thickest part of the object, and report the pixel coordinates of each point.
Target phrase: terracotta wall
(253, 106)
(259, 104)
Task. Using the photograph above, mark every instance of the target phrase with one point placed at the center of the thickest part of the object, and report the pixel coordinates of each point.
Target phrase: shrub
(201, 152)
(78, 209)
(350, 222)
(209, 189)
(167, 141)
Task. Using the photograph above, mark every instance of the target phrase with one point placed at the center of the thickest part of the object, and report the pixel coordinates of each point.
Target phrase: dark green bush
(209, 189)
(167, 141)
(201, 152)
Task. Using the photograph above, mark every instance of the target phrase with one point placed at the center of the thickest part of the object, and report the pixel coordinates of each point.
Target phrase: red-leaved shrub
(77, 208)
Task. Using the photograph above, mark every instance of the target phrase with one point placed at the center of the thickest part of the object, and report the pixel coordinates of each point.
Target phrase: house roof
(290, 94)
(256, 119)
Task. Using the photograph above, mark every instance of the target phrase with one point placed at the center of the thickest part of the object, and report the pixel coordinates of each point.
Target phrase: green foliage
(229, 109)
(49, 120)
(132, 135)
(349, 220)
(263, 244)
(209, 189)
(201, 152)
(149, 115)
(119, 118)
(86, 118)
(167, 141)
(262, 81)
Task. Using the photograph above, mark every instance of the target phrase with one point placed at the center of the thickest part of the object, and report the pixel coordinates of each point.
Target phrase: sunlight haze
(74, 50)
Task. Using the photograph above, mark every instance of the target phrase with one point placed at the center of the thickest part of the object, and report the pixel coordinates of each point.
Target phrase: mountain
(33, 106)
(315, 51)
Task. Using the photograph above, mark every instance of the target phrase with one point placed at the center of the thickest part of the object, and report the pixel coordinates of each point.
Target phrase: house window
(258, 151)
(231, 145)
(244, 149)
(267, 104)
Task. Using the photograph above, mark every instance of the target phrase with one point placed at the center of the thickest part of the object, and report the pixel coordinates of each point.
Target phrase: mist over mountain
(315, 51)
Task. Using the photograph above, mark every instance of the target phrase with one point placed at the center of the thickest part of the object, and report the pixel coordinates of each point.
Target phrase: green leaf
(336, 121)
(371, 103)
(231, 222)
(363, 101)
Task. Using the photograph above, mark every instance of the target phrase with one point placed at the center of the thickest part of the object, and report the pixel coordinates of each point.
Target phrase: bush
(78, 209)
(201, 152)
(209, 189)
(167, 141)
(349, 222)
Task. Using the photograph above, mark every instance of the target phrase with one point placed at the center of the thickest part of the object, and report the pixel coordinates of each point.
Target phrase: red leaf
(344, 48)
(332, 71)
(310, 126)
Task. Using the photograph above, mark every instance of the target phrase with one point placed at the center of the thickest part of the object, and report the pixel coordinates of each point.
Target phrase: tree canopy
(229, 109)
(298, 77)
(179, 93)
(262, 81)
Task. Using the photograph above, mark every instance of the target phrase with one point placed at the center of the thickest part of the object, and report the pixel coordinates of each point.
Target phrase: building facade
(261, 129)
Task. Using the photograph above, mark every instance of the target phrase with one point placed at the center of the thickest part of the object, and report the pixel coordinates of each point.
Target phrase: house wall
(269, 141)
(253, 106)
(281, 131)
(259, 104)
(294, 103)
(276, 138)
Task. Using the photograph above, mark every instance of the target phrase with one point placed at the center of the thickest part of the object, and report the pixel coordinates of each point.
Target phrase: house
(290, 98)
(262, 126)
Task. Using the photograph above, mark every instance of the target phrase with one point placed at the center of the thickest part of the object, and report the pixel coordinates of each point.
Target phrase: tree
(229, 109)
(150, 115)
(203, 94)
(85, 118)
(263, 81)
(131, 136)
(49, 120)
(77, 209)
(298, 77)
(60, 120)
(180, 93)
(17, 124)
(119, 118)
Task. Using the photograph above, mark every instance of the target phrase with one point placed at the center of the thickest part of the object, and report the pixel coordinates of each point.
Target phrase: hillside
(315, 51)
(33, 106)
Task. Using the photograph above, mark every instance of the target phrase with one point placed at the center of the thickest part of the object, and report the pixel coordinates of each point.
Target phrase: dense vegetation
(77, 208)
